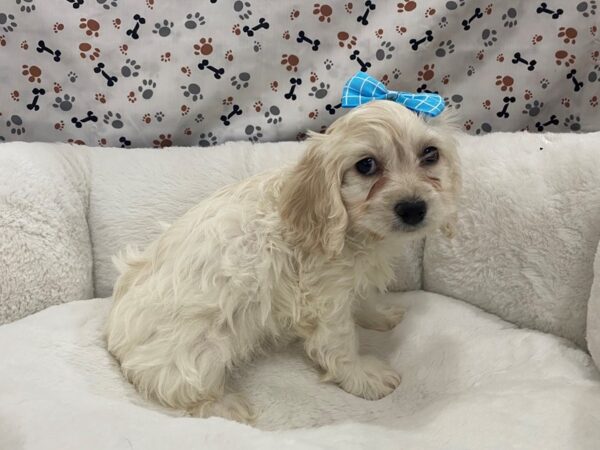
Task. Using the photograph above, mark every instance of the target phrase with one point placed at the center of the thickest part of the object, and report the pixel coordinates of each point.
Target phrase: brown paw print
(57, 88)
(150, 4)
(500, 57)
(595, 55)
(187, 131)
(146, 118)
(445, 79)
(59, 126)
(100, 98)
(294, 14)
(76, 141)
(487, 104)
(286, 35)
(489, 8)
(313, 77)
(102, 142)
(15, 96)
(274, 86)
(90, 26)
(185, 109)
(566, 102)
(480, 55)
(427, 73)
(385, 79)
(203, 47)
(2, 40)
(124, 49)
(163, 140)
(229, 55)
(401, 30)
(378, 33)
(290, 62)
(313, 114)
(594, 101)
(58, 27)
(344, 39)
(236, 29)
(165, 57)
(527, 95)
(258, 106)
(87, 51)
(33, 73)
(568, 34)
(228, 101)
(564, 57)
(468, 124)
(323, 12)
(348, 7)
(505, 82)
(186, 71)
(429, 12)
(406, 6)
(593, 30)
(117, 23)
(131, 97)
(24, 45)
(536, 39)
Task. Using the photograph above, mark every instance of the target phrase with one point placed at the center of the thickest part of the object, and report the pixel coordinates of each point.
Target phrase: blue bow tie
(363, 88)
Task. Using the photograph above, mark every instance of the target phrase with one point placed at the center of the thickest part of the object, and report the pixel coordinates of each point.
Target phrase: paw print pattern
(64, 103)
(241, 81)
(192, 21)
(273, 115)
(7, 23)
(509, 18)
(445, 48)
(489, 37)
(533, 108)
(146, 89)
(319, 91)
(192, 91)
(573, 122)
(254, 133)
(15, 125)
(242, 9)
(207, 139)
(384, 51)
(588, 8)
(113, 119)
(131, 68)
(163, 28)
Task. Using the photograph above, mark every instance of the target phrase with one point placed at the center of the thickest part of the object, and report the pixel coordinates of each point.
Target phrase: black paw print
(207, 139)
(199, 118)
(15, 123)
(159, 116)
(107, 4)
(192, 90)
(385, 51)
(587, 9)
(510, 18)
(273, 115)
(242, 9)
(489, 37)
(240, 81)
(64, 103)
(146, 89)
(194, 20)
(163, 29)
(573, 122)
(113, 119)
(7, 22)
(254, 133)
(445, 48)
(533, 108)
(130, 68)
(319, 91)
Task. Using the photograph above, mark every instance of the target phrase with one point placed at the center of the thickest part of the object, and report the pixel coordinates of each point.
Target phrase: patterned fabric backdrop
(188, 72)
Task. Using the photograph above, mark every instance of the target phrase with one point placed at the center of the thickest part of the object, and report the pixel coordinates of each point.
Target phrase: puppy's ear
(311, 202)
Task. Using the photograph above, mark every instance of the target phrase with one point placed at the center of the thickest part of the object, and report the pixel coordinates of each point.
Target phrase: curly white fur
(283, 255)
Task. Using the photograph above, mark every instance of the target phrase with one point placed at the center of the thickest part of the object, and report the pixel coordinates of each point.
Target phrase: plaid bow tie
(363, 88)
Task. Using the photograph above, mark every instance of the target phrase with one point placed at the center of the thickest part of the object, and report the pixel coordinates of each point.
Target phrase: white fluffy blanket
(470, 380)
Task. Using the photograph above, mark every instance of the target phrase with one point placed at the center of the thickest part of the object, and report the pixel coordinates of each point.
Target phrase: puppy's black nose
(411, 212)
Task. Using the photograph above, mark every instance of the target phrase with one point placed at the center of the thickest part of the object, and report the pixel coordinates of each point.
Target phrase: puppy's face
(379, 171)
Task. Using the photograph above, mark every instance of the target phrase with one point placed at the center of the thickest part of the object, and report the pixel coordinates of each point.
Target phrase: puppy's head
(380, 171)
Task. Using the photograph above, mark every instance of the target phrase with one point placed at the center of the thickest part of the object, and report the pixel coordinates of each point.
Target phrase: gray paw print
(489, 37)
(485, 128)
(533, 108)
(510, 18)
(328, 64)
(7, 22)
(159, 116)
(194, 20)
(242, 9)
(443, 23)
(147, 89)
(452, 5)
(385, 52)
(319, 91)
(256, 47)
(396, 73)
(207, 139)
(72, 76)
(65, 103)
(192, 90)
(454, 102)
(107, 4)
(594, 75)
(163, 29)
(253, 132)
(131, 68)
(445, 48)
(241, 81)
(587, 9)
(27, 5)
(573, 122)
(470, 71)
(15, 123)
(114, 119)
(199, 118)
(544, 83)
(273, 116)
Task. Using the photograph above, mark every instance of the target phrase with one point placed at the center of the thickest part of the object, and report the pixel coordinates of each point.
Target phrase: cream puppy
(287, 254)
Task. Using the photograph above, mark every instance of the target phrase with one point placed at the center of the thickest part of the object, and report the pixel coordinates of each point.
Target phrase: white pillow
(593, 316)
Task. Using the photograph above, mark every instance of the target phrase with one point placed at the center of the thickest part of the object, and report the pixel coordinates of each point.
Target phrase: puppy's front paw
(371, 379)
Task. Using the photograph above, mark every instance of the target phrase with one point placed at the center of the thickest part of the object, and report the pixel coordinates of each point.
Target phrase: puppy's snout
(411, 212)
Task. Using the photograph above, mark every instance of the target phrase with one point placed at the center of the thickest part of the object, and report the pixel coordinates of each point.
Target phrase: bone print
(217, 72)
(503, 113)
(543, 8)
(414, 43)
(235, 111)
(41, 48)
(517, 58)
(133, 32)
(302, 38)
(76, 3)
(369, 6)
(262, 23)
(90, 117)
(478, 14)
(291, 95)
(577, 85)
(332, 109)
(552, 121)
(124, 142)
(37, 92)
(364, 65)
(110, 79)
(423, 88)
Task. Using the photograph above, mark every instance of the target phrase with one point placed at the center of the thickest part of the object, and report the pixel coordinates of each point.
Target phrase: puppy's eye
(430, 156)
(367, 166)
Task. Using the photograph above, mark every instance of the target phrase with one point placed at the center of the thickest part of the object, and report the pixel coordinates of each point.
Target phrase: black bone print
(552, 121)
(262, 24)
(33, 106)
(478, 14)
(577, 85)
(41, 48)
(124, 142)
(414, 43)
(217, 72)
(291, 94)
(363, 18)
(133, 32)
(303, 38)
(90, 117)
(235, 111)
(423, 88)
(364, 65)
(517, 58)
(76, 3)
(110, 79)
(543, 8)
(503, 113)
(332, 109)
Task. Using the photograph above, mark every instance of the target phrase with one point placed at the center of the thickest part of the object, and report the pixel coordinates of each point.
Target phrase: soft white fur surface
(45, 251)
(593, 317)
(529, 225)
(469, 381)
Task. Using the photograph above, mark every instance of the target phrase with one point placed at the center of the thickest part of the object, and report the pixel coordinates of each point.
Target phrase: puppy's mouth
(401, 227)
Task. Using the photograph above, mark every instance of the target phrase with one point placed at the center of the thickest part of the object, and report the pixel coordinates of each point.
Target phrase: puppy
(288, 254)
